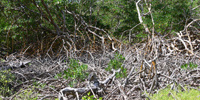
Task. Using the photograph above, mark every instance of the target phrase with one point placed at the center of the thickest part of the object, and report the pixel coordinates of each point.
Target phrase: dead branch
(95, 86)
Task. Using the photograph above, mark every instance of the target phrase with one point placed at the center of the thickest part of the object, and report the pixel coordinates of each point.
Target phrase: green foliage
(6, 78)
(2, 60)
(140, 36)
(116, 16)
(170, 14)
(116, 63)
(31, 92)
(90, 97)
(76, 72)
(168, 94)
(28, 94)
(189, 66)
(24, 22)
(38, 85)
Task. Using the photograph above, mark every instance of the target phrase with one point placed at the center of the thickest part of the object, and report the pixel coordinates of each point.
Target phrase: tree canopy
(38, 22)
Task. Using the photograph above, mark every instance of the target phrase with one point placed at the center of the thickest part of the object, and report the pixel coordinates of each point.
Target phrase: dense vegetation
(38, 23)
(74, 28)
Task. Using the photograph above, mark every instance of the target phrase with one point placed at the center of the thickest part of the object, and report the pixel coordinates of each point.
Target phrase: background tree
(39, 23)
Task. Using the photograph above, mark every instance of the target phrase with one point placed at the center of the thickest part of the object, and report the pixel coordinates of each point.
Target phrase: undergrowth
(116, 63)
(27, 94)
(75, 71)
(168, 94)
(6, 79)
(90, 97)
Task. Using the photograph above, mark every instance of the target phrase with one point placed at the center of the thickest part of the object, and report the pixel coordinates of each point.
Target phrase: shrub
(76, 72)
(116, 63)
(6, 78)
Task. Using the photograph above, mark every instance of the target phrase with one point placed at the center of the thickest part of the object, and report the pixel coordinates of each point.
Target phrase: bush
(76, 72)
(6, 78)
(116, 63)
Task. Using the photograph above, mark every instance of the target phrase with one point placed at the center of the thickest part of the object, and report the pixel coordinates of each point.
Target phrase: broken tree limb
(94, 86)
(140, 17)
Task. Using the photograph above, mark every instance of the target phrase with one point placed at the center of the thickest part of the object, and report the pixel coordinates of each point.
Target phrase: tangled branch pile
(83, 61)
(151, 66)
